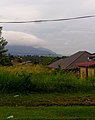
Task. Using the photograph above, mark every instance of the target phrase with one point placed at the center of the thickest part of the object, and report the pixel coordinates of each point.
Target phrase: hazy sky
(66, 37)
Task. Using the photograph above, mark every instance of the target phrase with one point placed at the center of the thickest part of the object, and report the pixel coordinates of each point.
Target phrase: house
(86, 69)
(92, 57)
(70, 62)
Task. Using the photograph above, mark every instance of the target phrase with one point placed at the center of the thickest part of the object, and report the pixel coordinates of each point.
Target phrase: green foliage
(3, 43)
(10, 82)
(4, 60)
(45, 82)
(44, 60)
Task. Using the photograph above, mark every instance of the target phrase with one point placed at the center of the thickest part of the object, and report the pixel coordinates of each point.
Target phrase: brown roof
(69, 62)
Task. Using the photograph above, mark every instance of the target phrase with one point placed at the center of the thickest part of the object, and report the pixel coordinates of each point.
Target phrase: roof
(92, 55)
(69, 62)
(86, 64)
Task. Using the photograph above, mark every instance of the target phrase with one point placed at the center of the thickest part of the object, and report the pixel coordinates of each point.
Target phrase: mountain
(29, 50)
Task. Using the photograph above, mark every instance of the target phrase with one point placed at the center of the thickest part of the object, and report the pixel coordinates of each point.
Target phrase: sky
(65, 37)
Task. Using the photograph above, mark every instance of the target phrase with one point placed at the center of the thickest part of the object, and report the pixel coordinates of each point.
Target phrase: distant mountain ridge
(29, 50)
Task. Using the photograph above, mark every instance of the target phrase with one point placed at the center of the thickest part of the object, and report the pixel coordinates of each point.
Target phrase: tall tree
(4, 60)
(3, 43)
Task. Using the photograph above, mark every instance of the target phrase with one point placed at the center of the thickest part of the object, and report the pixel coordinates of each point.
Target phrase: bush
(56, 81)
(15, 83)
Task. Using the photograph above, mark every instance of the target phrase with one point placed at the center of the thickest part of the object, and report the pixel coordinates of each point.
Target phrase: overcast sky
(66, 37)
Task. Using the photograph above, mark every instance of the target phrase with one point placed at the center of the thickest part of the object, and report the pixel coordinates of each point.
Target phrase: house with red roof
(82, 61)
(70, 62)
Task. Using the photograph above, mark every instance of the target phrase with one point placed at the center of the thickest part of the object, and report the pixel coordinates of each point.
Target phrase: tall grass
(10, 82)
(62, 82)
(42, 80)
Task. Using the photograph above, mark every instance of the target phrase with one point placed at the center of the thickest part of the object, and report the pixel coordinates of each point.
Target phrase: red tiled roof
(86, 64)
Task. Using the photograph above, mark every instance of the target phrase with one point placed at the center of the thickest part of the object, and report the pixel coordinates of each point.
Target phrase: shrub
(10, 82)
(45, 82)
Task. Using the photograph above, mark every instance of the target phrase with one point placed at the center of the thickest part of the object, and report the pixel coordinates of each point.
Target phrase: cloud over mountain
(65, 37)
(21, 38)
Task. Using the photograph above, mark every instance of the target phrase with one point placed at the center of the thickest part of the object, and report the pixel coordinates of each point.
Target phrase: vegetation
(44, 60)
(4, 59)
(3, 43)
(46, 99)
(48, 113)
(30, 91)
(42, 80)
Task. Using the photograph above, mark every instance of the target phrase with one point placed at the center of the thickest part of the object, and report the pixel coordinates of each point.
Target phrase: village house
(82, 61)
(70, 62)
(87, 69)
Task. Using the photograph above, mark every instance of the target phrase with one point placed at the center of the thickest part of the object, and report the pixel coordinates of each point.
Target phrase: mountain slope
(29, 50)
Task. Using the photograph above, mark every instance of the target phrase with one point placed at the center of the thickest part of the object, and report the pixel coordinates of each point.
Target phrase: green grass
(27, 79)
(47, 106)
(52, 112)
(53, 99)
(35, 92)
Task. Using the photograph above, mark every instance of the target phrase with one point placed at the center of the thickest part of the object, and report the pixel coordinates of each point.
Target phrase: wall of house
(83, 74)
(91, 72)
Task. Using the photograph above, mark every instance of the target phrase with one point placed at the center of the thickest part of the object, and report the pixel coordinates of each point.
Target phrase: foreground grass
(38, 78)
(35, 92)
(52, 112)
(54, 99)
(47, 106)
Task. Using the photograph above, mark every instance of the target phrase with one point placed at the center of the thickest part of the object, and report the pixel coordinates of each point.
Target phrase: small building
(70, 62)
(86, 69)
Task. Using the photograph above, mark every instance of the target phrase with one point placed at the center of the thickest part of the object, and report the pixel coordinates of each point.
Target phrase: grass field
(52, 112)
(36, 92)
(53, 99)
(47, 106)
(37, 78)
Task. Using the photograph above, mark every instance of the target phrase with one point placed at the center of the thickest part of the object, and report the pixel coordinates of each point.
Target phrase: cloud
(35, 9)
(63, 37)
(21, 38)
(69, 42)
(16, 13)
(45, 8)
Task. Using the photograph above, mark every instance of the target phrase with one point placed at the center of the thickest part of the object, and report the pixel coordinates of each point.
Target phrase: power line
(51, 20)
